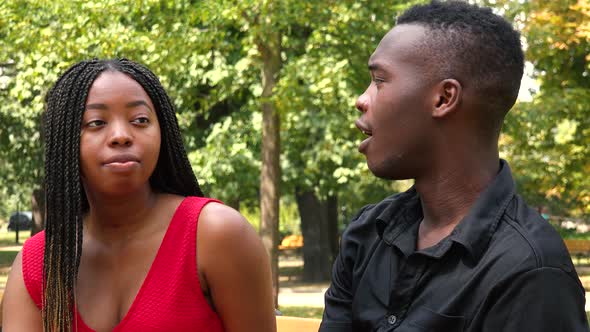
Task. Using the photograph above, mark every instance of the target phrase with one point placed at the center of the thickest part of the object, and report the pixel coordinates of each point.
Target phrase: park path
(293, 292)
(12, 248)
(311, 295)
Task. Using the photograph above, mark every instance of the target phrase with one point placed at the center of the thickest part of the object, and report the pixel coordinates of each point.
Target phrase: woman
(130, 244)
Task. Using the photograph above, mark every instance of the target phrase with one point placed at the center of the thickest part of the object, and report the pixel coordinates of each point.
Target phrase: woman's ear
(447, 98)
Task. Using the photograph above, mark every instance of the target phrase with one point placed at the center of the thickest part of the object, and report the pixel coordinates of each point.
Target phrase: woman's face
(120, 137)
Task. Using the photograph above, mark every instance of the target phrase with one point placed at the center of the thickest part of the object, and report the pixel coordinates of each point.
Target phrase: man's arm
(338, 298)
(542, 300)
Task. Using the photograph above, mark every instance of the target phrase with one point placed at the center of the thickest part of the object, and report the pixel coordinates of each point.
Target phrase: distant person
(460, 250)
(130, 242)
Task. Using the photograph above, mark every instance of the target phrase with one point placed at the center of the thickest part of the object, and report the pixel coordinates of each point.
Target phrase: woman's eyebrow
(138, 103)
(101, 106)
(97, 106)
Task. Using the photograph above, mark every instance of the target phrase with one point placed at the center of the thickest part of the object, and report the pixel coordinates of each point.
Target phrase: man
(460, 251)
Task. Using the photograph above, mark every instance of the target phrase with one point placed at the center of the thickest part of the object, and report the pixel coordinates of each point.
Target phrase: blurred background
(265, 93)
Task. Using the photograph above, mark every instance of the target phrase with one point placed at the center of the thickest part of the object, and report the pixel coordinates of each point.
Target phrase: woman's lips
(124, 167)
(124, 162)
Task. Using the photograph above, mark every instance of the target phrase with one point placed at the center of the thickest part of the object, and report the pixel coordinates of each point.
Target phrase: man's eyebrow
(374, 66)
(138, 103)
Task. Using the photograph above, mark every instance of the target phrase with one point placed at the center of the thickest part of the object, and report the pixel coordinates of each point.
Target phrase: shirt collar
(478, 226)
(400, 214)
(473, 232)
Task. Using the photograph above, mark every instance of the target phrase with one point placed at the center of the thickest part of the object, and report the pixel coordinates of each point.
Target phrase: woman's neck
(110, 218)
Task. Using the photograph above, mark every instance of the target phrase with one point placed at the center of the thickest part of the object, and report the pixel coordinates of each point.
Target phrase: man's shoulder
(369, 213)
(532, 239)
(363, 226)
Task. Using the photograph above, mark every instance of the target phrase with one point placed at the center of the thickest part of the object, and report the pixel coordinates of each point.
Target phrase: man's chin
(388, 172)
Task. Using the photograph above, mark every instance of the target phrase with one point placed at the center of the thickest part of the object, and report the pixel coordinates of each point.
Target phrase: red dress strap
(32, 266)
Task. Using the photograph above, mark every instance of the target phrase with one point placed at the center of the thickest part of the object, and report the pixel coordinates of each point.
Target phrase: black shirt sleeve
(338, 297)
(542, 300)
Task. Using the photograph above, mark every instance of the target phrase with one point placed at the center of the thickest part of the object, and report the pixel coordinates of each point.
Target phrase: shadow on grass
(6, 258)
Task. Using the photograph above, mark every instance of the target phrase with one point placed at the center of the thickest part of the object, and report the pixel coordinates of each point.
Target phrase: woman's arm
(19, 312)
(236, 268)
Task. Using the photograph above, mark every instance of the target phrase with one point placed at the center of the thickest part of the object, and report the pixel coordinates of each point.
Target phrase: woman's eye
(142, 120)
(95, 123)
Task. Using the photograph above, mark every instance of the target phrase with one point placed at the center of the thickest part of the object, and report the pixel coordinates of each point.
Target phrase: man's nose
(120, 135)
(362, 103)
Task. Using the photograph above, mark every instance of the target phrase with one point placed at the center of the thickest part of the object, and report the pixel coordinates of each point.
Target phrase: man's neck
(447, 195)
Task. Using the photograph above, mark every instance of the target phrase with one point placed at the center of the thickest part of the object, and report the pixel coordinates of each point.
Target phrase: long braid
(65, 197)
(65, 105)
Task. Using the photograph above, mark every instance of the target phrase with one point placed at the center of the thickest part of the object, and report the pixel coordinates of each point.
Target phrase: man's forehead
(400, 42)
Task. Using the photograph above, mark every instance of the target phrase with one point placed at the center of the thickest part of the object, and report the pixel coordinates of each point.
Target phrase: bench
(291, 244)
(578, 248)
(1, 304)
(297, 324)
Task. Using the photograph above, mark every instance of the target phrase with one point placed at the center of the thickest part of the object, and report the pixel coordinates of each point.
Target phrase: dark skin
(426, 128)
(127, 221)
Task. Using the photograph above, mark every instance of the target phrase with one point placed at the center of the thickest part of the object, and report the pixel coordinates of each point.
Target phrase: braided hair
(65, 196)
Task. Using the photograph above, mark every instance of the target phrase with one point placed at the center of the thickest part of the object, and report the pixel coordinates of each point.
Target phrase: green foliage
(324, 49)
(546, 140)
(207, 56)
(288, 218)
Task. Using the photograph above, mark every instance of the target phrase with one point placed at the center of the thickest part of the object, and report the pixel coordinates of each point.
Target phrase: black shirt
(503, 268)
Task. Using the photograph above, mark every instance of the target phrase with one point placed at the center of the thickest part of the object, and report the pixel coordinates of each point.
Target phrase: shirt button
(391, 319)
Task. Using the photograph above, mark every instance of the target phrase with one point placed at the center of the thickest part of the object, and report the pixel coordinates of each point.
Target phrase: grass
(7, 257)
(8, 238)
(302, 311)
(291, 271)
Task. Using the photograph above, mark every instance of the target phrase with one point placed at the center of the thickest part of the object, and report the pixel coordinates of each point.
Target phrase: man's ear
(448, 95)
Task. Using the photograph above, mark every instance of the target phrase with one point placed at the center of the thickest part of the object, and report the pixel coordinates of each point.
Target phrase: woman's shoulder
(223, 229)
(220, 220)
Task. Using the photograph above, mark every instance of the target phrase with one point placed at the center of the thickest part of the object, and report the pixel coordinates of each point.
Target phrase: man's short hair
(473, 45)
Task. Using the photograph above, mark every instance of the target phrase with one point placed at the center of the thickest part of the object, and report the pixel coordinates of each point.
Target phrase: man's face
(396, 107)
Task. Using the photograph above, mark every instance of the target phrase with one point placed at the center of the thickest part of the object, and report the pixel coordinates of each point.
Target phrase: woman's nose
(120, 135)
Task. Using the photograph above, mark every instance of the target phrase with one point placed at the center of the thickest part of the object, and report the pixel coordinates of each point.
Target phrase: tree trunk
(234, 203)
(332, 220)
(38, 207)
(317, 230)
(269, 47)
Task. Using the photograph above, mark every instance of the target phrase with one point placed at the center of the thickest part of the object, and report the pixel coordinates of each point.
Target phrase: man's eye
(378, 80)
(95, 123)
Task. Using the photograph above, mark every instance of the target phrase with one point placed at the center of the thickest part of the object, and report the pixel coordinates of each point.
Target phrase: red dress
(170, 298)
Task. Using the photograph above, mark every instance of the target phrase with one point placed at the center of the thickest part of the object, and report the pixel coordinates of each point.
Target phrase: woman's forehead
(112, 85)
